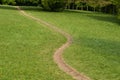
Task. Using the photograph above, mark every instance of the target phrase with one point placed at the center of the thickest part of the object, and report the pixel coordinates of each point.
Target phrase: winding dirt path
(58, 54)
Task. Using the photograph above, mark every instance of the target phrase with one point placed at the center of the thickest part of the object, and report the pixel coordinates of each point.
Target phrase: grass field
(26, 48)
(96, 41)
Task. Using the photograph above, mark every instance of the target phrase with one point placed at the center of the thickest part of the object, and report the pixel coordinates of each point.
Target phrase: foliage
(12, 2)
(53, 5)
(117, 2)
(28, 2)
(106, 6)
(21, 2)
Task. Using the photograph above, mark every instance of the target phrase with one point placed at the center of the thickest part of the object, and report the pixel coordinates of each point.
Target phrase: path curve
(58, 54)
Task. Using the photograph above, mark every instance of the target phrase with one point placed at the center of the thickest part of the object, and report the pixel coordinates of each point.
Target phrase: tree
(93, 3)
(117, 3)
(28, 2)
(82, 4)
(11, 2)
(103, 3)
(53, 5)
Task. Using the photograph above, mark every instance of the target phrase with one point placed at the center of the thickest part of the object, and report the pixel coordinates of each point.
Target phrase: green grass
(26, 48)
(95, 51)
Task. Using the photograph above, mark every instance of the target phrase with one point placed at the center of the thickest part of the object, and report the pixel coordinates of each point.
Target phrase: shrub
(119, 11)
(53, 5)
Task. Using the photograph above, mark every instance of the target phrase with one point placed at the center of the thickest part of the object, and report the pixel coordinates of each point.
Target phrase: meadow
(95, 50)
(27, 48)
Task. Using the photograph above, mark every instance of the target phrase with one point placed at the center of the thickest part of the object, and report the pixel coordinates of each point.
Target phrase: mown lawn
(95, 51)
(26, 48)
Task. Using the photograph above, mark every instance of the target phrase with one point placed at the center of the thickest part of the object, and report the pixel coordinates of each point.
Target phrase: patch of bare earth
(58, 54)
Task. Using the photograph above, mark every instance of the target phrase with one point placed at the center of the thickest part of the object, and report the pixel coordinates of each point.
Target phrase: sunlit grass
(27, 48)
(95, 51)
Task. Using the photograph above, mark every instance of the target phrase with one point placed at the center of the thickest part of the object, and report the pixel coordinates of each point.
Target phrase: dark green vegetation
(21, 2)
(96, 41)
(53, 5)
(26, 48)
(106, 6)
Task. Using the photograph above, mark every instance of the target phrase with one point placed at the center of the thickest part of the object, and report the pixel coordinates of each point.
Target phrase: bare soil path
(58, 54)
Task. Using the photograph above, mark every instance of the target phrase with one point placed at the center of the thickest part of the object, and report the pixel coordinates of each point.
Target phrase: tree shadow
(78, 12)
(103, 47)
(96, 15)
(101, 17)
(106, 18)
(7, 7)
(38, 8)
(31, 8)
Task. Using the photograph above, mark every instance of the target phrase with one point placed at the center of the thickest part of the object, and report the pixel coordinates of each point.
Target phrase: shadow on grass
(31, 8)
(7, 7)
(106, 48)
(106, 18)
(97, 16)
(78, 12)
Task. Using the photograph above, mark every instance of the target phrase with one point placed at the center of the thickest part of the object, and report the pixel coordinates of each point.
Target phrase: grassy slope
(26, 49)
(96, 47)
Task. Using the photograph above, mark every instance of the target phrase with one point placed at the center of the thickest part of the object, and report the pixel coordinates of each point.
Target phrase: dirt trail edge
(58, 54)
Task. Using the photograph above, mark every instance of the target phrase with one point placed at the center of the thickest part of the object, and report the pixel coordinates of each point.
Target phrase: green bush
(119, 11)
(53, 5)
